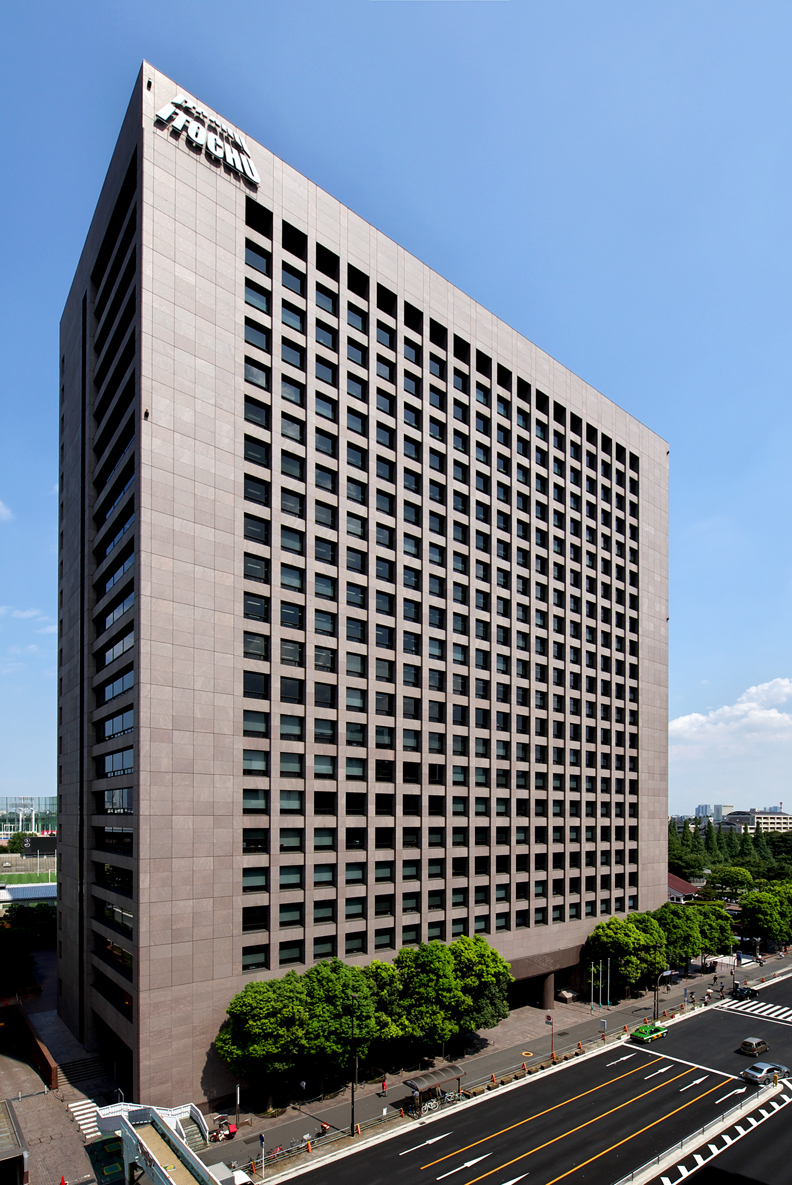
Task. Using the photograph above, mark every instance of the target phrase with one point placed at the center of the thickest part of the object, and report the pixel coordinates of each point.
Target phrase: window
(357, 318)
(256, 257)
(326, 371)
(326, 335)
(293, 279)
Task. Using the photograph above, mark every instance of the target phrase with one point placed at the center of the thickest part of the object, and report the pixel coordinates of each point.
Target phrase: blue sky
(612, 179)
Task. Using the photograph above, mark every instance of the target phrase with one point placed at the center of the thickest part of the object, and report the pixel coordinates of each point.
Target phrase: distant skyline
(612, 180)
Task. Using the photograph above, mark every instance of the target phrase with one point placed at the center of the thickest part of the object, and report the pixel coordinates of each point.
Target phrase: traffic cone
(523, 1065)
(308, 1146)
(492, 1076)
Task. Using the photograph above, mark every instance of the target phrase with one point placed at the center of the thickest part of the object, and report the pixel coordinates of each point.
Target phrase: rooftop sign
(221, 142)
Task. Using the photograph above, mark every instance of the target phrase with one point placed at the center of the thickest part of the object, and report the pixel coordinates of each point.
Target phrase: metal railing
(695, 1138)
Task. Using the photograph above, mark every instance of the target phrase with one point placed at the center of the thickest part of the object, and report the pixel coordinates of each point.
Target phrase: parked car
(744, 993)
(646, 1033)
(753, 1046)
(762, 1072)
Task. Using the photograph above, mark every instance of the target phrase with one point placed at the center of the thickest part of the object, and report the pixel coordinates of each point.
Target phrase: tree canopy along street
(584, 1122)
(599, 1119)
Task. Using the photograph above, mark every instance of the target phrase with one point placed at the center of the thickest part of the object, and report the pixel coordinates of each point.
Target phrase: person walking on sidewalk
(384, 1091)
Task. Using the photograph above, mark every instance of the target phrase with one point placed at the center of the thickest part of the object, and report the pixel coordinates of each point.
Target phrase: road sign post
(549, 1021)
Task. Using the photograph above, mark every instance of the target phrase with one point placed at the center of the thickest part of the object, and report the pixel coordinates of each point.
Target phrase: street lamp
(354, 996)
(657, 989)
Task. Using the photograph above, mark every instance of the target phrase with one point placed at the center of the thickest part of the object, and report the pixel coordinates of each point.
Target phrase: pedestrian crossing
(676, 1174)
(758, 1008)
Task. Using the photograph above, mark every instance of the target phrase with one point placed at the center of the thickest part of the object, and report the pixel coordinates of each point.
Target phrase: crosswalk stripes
(759, 1009)
(691, 1163)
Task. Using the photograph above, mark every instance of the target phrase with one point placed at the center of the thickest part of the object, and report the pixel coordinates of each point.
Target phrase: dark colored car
(744, 993)
(753, 1046)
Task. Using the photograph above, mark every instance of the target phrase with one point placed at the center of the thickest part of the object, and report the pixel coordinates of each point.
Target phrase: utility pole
(354, 1069)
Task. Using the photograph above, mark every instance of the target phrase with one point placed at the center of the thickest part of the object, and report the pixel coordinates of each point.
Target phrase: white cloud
(24, 613)
(739, 753)
(48, 629)
(5, 513)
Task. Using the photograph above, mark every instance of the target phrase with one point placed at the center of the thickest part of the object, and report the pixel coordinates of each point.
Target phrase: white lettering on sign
(221, 141)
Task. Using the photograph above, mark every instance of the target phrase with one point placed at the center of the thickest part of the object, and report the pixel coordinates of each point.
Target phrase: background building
(703, 811)
(363, 605)
(28, 814)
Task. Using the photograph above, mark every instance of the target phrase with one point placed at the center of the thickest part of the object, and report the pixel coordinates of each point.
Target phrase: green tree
(674, 843)
(335, 990)
(484, 977)
(15, 842)
(763, 916)
(37, 922)
(732, 844)
(628, 943)
(715, 927)
(746, 849)
(385, 986)
(683, 937)
(711, 844)
(723, 847)
(761, 845)
(431, 995)
(686, 837)
(265, 1033)
(731, 881)
(697, 848)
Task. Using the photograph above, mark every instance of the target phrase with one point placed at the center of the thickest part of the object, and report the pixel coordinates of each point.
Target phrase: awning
(431, 1078)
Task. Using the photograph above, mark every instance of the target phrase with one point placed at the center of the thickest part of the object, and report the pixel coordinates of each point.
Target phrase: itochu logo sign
(218, 139)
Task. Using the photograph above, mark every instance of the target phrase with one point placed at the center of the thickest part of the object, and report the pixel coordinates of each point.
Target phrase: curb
(670, 1158)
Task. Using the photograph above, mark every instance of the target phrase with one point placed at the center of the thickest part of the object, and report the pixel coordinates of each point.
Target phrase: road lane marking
(626, 1058)
(663, 1070)
(538, 1115)
(768, 1019)
(468, 1164)
(740, 1090)
(695, 1065)
(695, 1082)
(613, 1147)
(432, 1141)
(514, 1180)
(581, 1126)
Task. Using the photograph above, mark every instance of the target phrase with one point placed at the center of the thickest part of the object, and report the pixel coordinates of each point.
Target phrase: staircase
(84, 1114)
(193, 1135)
(84, 1070)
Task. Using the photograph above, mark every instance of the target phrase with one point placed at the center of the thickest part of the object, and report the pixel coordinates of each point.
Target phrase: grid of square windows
(455, 576)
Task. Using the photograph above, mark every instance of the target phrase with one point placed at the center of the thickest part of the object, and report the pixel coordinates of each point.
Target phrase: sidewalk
(522, 1036)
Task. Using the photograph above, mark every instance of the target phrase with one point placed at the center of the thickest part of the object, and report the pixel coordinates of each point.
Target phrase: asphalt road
(763, 1155)
(597, 1120)
(593, 1121)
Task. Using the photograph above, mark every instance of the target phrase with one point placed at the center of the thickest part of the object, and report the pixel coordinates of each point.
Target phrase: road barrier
(493, 1081)
(695, 1138)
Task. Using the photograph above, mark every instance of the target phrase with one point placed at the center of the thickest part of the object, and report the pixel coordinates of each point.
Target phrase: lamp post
(656, 1013)
(354, 1069)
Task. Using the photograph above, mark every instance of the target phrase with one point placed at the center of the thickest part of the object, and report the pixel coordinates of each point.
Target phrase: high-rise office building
(703, 811)
(362, 605)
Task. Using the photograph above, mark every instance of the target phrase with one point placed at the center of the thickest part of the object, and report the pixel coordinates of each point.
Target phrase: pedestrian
(384, 1091)
(692, 997)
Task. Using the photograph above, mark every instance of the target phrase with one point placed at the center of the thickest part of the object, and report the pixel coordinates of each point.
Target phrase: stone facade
(320, 505)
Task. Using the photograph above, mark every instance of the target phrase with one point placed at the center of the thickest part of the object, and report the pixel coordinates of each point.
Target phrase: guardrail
(694, 1138)
(503, 1077)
